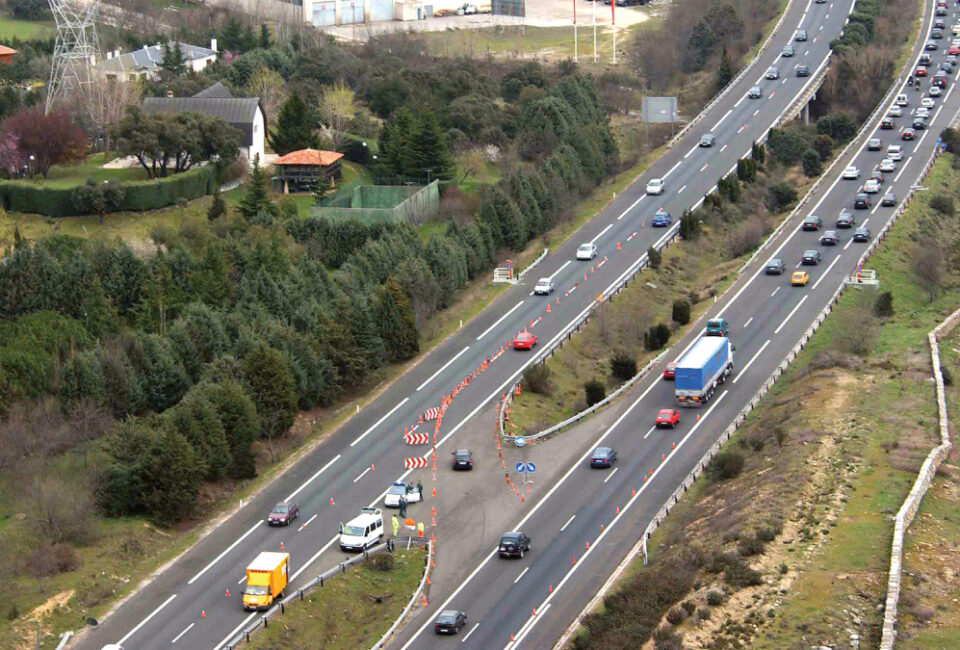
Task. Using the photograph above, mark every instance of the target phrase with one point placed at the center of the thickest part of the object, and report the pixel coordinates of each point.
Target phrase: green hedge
(20, 196)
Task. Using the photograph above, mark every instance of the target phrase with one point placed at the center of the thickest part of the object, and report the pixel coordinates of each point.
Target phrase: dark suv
(463, 459)
(514, 544)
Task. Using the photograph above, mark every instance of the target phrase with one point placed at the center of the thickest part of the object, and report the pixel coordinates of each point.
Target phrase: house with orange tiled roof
(301, 171)
(7, 54)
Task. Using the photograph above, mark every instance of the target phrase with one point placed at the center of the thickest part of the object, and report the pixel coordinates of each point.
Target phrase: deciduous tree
(45, 140)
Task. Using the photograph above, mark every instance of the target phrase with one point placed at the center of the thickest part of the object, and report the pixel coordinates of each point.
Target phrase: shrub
(666, 639)
(595, 391)
(654, 258)
(747, 170)
(823, 145)
(681, 312)
(786, 145)
(749, 546)
(703, 614)
(382, 561)
(738, 574)
(951, 138)
(783, 568)
(947, 377)
(689, 226)
(52, 560)
(623, 365)
(780, 196)
(758, 152)
(729, 188)
(839, 127)
(811, 162)
(536, 379)
(676, 615)
(725, 465)
(942, 204)
(656, 337)
(689, 607)
(883, 306)
(769, 533)
(715, 598)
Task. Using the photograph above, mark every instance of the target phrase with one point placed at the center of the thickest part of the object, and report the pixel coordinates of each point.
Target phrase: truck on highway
(704, 367)
(267, 579)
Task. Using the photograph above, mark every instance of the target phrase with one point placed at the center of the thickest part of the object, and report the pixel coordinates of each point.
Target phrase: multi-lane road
(334, 480)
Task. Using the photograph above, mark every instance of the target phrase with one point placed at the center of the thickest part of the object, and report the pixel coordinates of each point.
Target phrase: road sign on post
(520, 467)
(531, 468)
(520, 441)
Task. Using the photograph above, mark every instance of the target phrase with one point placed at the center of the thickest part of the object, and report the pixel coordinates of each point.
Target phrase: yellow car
(799, 278)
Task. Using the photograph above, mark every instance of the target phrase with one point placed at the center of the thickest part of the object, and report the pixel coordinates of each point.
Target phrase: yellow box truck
(266, 580)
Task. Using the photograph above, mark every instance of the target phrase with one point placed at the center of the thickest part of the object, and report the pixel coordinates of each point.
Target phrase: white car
(935, 91)
(872, 186)
(902, 100)
(895, 152)
(851, 173)
(655, 186)
(923, 111)
(400, 489)
(956, 29)
(586, 252)
(887, 165)
(927, 102)
(544, 287)
(895, 111)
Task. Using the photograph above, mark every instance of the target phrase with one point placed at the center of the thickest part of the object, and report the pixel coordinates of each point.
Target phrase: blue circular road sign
(519, 441)
(531, 468)
(520, 468)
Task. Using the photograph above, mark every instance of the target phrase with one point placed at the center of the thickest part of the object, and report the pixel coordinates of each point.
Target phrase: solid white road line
(533, 621)
(563, 266)
(380, 421)
(361, 475)
(739, 101)
(903, 167)
(825, 273)
(144, 621)
(243, 624)
(752, 359)
(564, 527)
(446, 365)
(500, 320)
(671, 169)
(920, 141)
(749, 320)
(315, 556)
(521, 575)
(792, 312)
(632, 206)
(307, 482)
(220, 557)
(177, 638)
(649, 432)
(610, 475)
(475, 626)
(602, 233)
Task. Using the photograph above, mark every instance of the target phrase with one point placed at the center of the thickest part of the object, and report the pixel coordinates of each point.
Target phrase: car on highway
(787, 51)
(887, 165)
(895, 111)
(810, 257)
(799, 278)
(670, 372)
(775, 266)
(876, 175)
(828, 238)
(861, 201)
(667, 418)
(895, 152)
(887, 124)
(800, 36)
(861, 234)
(772, 73)
(874, 144)
(544, 287)
(921, 71)
(655, 186)
(927, 102)
(936, 33)
(708, 140)
(283, 513)
(919, 123)
(954, 50)
(902, 99)
(931, 46)
(811, 222)
(803, 70)
(513, 544)
(889, 199)
(717, 327)
(524, 340)
(603, 457)
(450, 621)
(661, 219)
(587, 252)
(955, 30)
(755, 92)
(941, 11)
(935, 91)
(922, 111)
(851, 173)
(908, 134)
(463, 459)
(940, 79)
(925, 59)
(946, 66)
(846, 219)
(402, 490)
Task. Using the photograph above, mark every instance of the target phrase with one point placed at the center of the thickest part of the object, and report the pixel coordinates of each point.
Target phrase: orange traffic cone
(331, 500)
(424, 602)
(203, 614)
(227, 595)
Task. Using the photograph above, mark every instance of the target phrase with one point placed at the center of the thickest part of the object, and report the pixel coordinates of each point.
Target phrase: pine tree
(256, 203)
(294, 127)
(272, 388)
(394, 317)
(241, 424)
(264, 37)
(725, 71)
(218, 207)
(170, 478)
(173, 60)
(430, 154)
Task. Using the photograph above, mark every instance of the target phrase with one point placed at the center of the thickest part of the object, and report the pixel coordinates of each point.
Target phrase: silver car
(544, 287)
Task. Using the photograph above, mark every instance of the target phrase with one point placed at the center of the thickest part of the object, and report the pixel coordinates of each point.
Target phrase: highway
(587, 521)
(186, 605)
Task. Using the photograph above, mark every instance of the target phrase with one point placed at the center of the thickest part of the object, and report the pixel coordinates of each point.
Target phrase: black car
(919, 124)
(603, 457)
(450, 621)
(829, 238)
(810, 258)
(889, 199)
(845, 220)
(755, 92)
(811, 222)
(463, 459)
(775, 267)
(283, 513)
(514, 544)
(887, 124)
(708, 140)
(861, 234)
(931, 46)
(861, 202)
(803, 70)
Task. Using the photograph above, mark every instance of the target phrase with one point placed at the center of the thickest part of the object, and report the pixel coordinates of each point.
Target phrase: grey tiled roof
(240, 112)
(149, 57)
(217, 90)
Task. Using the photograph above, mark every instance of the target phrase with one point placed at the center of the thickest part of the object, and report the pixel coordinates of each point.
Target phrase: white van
(362, 531)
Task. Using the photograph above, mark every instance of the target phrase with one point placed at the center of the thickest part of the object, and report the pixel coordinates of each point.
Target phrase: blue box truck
(704, 367)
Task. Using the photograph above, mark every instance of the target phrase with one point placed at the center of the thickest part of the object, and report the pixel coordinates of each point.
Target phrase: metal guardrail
(532, 264)
(413, 600)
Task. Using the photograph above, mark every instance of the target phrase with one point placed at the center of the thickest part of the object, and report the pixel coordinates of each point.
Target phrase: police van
(363, 531)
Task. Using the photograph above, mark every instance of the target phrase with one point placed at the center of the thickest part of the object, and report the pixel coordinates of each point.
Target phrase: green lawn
(92, 167)
(11, 28)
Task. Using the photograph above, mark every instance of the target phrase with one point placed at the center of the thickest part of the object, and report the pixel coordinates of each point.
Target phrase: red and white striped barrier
(416, 438)
(417, 462)
(431, 414)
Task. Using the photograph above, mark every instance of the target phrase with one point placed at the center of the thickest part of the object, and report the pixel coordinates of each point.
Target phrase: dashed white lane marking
(521, 575)
(610, 476)
(444, 367)
(564, 527)
(144, 621)
(790, 315)
(381, 420)
(475, 626)
(500, 320)
(752, 359)
(177, 638)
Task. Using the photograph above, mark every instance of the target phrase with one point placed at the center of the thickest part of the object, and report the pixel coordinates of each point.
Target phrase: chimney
(170, 93)
(109, 55)
(213, 44)
(116, 52)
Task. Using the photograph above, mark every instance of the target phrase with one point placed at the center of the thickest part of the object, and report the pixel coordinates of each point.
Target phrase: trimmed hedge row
(20, 196)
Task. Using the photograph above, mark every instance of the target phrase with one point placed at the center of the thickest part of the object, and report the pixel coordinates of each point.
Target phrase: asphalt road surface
(356, 464)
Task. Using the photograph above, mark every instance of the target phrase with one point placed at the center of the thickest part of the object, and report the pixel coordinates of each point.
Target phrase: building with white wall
(145, 61)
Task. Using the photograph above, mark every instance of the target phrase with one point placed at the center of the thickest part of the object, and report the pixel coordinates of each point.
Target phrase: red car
(921, 71)
(954, 50)
(524, 341)
(670, 372)
(908, 134)
(667, 418)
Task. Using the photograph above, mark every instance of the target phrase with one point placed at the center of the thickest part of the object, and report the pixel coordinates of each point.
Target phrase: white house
(145, 62)
(243, 113)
